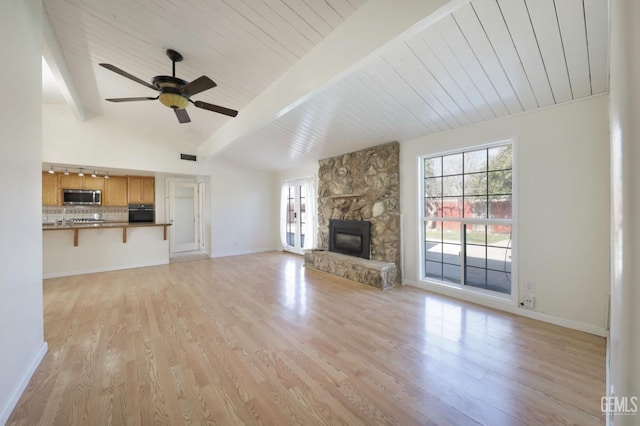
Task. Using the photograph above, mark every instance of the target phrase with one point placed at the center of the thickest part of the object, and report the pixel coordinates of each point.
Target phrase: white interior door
(184, 232)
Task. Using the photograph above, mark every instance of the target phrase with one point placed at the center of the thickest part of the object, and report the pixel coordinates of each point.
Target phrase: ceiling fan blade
(127, 75)
(198, 85)
(131, 99)
(216, 108)
(183, 116)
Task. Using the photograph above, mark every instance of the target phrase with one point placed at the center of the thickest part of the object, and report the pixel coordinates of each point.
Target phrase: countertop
(75, 227)
(88, 225)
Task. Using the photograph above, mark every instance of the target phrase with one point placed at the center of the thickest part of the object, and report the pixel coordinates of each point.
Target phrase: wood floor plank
(258, 339)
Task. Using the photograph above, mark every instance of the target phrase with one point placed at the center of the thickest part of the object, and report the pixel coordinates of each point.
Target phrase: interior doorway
(186, 233)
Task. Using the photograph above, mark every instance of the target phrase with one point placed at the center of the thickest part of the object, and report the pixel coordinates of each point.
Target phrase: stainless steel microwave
(81, 197)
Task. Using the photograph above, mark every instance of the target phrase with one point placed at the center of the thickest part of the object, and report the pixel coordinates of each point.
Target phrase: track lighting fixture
(80, 170)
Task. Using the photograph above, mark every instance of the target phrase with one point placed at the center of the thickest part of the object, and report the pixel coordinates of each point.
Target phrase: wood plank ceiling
(242, 45)
(487, 59)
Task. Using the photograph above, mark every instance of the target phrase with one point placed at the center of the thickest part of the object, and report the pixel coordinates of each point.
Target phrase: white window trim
(461, 289)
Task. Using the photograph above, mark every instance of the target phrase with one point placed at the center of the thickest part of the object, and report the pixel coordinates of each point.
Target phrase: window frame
(423, 218)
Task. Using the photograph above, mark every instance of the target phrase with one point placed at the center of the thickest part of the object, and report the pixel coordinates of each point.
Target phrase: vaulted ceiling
(317, 78)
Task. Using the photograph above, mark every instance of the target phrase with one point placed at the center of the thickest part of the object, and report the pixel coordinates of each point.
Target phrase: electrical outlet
(529, 300)
(530, 287)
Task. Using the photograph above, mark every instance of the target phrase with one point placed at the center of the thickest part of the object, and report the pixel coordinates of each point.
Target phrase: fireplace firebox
(350, 237)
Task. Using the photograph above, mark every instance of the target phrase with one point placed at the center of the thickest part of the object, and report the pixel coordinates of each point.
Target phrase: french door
(294, 195)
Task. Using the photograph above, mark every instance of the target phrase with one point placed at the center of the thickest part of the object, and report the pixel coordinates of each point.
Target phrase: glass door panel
(295, 217)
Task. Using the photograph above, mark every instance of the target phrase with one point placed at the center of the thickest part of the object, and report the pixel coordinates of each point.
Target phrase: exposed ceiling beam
(52, 54)
(374, 27)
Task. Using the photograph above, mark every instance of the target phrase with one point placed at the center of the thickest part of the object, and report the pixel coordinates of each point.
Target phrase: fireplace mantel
(343, 196)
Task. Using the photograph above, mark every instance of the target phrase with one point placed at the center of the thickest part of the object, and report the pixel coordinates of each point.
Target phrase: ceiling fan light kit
(175, 93)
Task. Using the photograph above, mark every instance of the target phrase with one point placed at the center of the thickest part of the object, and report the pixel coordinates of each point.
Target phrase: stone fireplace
(361, 186)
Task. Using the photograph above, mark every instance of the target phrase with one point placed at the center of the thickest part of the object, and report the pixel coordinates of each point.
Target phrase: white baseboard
(104, 269)
(188, 253)
(11, 403)
(241, 252)
(511, 307)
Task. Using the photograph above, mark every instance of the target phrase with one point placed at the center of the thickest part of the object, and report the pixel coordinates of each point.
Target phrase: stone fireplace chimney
(363, 185)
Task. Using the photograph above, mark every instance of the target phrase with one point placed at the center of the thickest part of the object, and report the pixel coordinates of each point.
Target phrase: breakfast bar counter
(86, 247)
(76, 227)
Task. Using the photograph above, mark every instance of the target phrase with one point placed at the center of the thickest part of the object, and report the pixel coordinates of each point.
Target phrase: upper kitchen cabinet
(71, 182)
(93, 183)
(142, 189)
(49, 189)
(81, 182)
(115, 191)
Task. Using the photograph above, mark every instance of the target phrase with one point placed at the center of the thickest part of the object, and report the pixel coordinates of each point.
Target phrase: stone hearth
(362, 185)
(366, 271)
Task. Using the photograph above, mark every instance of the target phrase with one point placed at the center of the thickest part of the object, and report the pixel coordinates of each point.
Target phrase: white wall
(562, 171)
(243, 204)
(297, 173)
(21, 328)
(104, 143)
(624, 342)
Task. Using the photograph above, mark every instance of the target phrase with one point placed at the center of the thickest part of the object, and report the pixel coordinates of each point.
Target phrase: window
(467, 218)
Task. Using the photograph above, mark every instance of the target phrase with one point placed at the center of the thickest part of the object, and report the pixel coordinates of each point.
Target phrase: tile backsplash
(112, 214)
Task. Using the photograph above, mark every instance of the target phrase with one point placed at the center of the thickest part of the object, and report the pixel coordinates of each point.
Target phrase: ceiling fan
(175, 93)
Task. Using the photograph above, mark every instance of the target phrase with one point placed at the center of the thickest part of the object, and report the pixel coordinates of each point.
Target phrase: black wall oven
(141, 213)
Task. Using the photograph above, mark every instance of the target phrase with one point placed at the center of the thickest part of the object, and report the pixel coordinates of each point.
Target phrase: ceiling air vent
(188, 157)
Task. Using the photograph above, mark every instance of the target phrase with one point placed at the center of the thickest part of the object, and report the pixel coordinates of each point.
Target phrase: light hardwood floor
(258, 339)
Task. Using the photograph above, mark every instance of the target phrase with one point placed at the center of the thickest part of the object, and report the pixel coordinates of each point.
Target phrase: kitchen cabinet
(149, 190)
(81, 182)
(71, 182)
(93, 183)
(141, 189)
(50, 189)
(115, 191)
